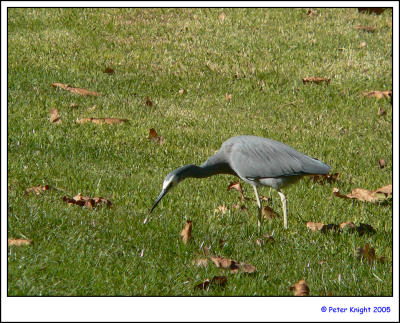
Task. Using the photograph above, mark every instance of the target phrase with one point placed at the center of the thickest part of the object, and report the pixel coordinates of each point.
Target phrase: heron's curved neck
(206, 170)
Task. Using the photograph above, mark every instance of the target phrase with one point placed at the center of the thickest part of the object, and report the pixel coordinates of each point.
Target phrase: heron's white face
(169, 182)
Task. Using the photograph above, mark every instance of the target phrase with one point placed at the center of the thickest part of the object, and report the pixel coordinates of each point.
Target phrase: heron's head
(171, 180)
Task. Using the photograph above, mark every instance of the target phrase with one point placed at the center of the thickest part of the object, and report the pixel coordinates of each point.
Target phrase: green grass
(260, 57)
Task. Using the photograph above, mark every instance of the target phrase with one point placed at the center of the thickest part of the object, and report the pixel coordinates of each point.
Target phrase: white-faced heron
(257, 161)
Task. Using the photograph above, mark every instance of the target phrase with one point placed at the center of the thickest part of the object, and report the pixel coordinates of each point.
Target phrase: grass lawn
(207, 74)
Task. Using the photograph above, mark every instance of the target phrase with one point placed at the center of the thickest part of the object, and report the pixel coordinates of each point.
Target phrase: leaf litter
(379, 195)
(86, 201)
(75, 90)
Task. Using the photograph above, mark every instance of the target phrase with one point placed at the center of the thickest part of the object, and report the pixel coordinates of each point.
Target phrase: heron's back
(257, 157)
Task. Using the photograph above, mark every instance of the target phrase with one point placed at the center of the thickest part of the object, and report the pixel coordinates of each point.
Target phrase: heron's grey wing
(266, 158)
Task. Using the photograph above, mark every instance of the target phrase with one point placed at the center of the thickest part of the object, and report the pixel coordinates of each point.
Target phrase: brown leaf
(382, 163)
(219, 280)
(102, 120)
(148, 102)
(329, 227)
(221, 262)
(55, 116)
(365, 28)
(155, 137)
(300, 288)
(368, 253)
(222, 16)
(378, 94)
(75, 90)
(238, 187)
(87, 201)
(377, 11)
(363, 44)
(315, 79)
(269, 213)
(228, 97)
(20, 242)
(186, 232)
(182, 91)
(215, 281)
(73, 105)
(203, 285)
(366, 195)
(108, 70)
(314, 226)
(37, 189)
(365, 228)
(222, 208)
(329, 178)
(265, 239)
(381, 112)
(310, 13)
(385, 190)
(347, 226)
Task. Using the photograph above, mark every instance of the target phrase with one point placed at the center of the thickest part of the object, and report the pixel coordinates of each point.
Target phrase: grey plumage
(257, 161)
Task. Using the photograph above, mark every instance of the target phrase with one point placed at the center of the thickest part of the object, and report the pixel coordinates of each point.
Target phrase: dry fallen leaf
(102, 120)
(381, 112)
(238, 187)
(73, 105)
(378, 94)
(108, 70)
(318, 226)
(222, 16)
(55, 116)
(221, 208)
(216, 281)
(19, 242)
(377, 11)
(315, 79)
(314, 226)
(363, 228)
(148, 102)
(186, 232)
(310, 13)
(181, 91)
(365, 28)
(234, 266)
(382, 163)
(75, 90)
(365, 195)
(368, 253)
(155, 137)
(265, 239)
(221, 262)
(228, 97)
(347, 226)
(329, 178)
(219, 280)
(89, 202)
(269, 213)
(363, 44)
(37, 189)
(300, 288)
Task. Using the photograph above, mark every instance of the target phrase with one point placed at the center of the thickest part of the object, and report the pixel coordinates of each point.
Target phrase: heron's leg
(259, 206)
(284, 207)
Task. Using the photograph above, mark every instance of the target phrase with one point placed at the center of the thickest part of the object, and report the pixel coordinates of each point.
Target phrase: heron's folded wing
(270, 159)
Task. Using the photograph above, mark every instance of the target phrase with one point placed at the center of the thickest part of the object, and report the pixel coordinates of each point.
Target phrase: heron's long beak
(163, 192)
